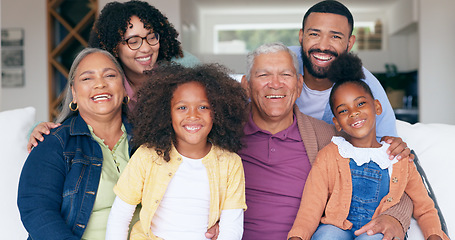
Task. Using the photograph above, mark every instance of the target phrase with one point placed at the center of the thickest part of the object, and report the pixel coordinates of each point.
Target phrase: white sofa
(14, 127)
(431, 142)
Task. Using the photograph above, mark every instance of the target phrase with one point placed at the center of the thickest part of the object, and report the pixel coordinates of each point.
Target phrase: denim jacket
(59, 182)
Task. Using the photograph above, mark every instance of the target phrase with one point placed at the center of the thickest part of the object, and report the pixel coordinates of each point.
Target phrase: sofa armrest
(432, 144)
(14, 128)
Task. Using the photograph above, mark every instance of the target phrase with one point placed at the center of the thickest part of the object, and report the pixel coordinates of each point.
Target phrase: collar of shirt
(292, 132)
(364, 155)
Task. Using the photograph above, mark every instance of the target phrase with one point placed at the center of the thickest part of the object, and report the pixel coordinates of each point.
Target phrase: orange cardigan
(327, 196)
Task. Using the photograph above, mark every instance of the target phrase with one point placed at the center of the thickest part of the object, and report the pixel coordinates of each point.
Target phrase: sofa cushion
(432, 144)
(14, 128)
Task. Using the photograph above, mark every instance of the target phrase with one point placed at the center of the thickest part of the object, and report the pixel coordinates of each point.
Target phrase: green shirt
(113, 164)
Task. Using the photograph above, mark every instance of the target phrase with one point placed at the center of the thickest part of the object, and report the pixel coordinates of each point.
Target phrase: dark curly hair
(151, 117)
(346, 68)
(112, 23)
(330, 6)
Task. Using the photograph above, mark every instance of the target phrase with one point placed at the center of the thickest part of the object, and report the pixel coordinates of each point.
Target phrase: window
(243, 38)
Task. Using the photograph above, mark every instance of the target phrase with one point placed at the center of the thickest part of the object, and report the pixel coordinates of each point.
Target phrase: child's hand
(37, 134)
(213, 232)
(385, 224)
(398, 147)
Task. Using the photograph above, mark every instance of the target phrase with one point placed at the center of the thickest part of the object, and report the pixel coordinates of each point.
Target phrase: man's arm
(402, 211)
(394, 222)
(386, 122)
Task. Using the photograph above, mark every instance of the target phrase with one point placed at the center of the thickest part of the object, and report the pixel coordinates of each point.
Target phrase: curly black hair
(151, 117)
(346, 68)
(112, 23)
(330, 6)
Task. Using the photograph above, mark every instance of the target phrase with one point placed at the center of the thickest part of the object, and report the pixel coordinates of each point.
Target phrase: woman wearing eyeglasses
(139, 36)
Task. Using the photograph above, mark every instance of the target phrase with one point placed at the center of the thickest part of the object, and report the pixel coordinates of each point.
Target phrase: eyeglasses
(135, 42)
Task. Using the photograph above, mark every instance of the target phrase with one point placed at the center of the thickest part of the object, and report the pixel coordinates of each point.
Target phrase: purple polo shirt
(276, 168)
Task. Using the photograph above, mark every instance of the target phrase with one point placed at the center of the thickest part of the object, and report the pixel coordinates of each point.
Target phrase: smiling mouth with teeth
(275, 96)
(101, 97)
(192, 128)
(323, 58)
(144, 59)
(357, 123)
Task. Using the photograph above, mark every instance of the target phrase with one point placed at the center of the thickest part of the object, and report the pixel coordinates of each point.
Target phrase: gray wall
(29, 15)
(437, 48)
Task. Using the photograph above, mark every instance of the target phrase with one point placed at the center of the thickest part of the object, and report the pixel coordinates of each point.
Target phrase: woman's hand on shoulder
(36, 135)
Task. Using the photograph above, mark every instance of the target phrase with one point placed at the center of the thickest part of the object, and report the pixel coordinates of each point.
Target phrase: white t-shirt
(184, 210)
(313, 102)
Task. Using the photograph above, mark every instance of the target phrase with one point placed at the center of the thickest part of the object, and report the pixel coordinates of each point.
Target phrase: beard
(316, 71)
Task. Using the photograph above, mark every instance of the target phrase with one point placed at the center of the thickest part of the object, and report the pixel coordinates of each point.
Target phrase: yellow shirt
(147, 175)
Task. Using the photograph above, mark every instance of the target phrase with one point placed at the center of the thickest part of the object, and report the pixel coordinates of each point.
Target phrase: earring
(73, 108)
(126, 100)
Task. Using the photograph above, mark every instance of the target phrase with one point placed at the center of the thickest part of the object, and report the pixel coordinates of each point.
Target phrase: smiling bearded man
(326, 33)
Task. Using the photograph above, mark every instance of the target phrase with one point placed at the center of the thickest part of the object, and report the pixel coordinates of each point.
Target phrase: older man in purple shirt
(277, 166)
(281, 144)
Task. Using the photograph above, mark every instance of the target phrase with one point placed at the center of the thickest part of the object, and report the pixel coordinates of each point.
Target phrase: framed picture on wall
(12, 77)
(12, 37)
(12, 57)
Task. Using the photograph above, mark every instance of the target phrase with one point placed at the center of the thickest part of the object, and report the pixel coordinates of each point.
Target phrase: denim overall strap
(370, 184)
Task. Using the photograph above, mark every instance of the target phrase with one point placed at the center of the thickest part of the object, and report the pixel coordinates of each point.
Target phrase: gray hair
(269, 48)
(68, 95)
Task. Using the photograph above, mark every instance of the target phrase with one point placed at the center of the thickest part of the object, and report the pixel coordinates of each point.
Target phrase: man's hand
(37, 134)
(398, 147)
(213, 232)
(434, 237)
(385, 224)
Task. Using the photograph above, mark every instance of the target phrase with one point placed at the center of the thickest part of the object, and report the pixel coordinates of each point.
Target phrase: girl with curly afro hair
(186, 174)
(139, 35)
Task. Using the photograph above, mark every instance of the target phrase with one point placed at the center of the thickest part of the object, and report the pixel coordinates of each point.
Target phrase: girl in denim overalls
(353, 181)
